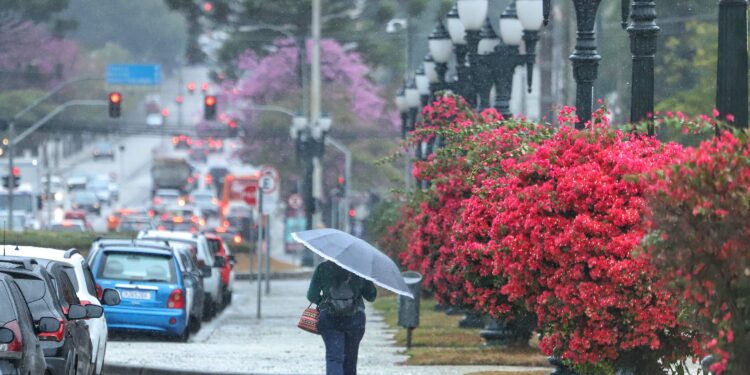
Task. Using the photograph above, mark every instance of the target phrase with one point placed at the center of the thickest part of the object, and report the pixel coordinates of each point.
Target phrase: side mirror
(48, 325)
(110, 297)
(206, 271)
(76, 312)
(94, 311)
(6, 335)
(219, 261)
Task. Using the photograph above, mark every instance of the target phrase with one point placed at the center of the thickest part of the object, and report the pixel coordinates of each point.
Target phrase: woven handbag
(309, 319)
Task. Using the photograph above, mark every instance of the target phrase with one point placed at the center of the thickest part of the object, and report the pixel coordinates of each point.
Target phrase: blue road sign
(133, 74)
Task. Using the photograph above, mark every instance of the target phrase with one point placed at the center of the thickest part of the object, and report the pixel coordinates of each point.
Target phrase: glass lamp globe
(440, 44)
(489, 39)
(472, 13)
(530, 13)
(422, 82)
(511, 30)
(455, 27)
(430, 69)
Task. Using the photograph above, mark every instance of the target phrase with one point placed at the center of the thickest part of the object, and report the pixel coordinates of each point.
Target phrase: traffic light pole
(12, 133)
(14, 140)
(347, 176)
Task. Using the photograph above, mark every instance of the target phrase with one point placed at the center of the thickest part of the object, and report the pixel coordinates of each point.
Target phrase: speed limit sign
(269, 180)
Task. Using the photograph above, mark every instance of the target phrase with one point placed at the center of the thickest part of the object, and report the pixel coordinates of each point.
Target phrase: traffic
(165, 267)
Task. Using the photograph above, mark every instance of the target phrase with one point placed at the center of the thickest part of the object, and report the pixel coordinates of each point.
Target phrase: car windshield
(6, 311)
(85, 197)
(137, 267)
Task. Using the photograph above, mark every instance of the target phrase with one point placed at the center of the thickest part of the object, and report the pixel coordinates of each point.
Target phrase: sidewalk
(238, 342)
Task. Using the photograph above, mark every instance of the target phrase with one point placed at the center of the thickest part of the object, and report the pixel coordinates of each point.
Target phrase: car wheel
(185, 336)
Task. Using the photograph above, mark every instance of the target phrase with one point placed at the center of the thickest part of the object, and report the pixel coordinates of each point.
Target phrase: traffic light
(341, 186)
(191, 87)
(115, 101)
(16, 174)
(209, 107)
(233, 131)
(204, 86)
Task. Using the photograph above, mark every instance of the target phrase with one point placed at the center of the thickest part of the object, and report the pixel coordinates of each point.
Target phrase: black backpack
(341, 298)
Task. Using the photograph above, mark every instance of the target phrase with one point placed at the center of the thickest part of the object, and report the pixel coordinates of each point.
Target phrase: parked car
(80, 275)
(20, 351)
(193, 278)
(219, 248)
(205, 261)
(151, 286)
(104, 150)
(86, 200)
(67, 350)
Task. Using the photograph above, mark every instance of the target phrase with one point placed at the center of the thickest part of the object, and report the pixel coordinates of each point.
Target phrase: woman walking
(339, 294)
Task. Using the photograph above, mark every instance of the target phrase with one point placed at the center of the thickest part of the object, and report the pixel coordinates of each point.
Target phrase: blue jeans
(341, 336)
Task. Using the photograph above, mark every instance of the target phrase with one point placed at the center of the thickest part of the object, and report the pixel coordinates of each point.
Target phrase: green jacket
(324, 277)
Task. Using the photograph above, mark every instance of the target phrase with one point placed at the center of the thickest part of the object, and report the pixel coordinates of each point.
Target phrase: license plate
(134, 294)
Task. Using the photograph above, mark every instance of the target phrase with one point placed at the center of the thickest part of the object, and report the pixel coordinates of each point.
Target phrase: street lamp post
(472, 14)
(516, 24)
(309, 140)
(423, 85)
(585, 59)
(643, 33)
(403, 108)
(731, 82)
(441, 48)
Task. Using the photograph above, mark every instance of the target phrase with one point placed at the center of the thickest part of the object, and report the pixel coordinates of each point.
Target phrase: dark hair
(340, 274)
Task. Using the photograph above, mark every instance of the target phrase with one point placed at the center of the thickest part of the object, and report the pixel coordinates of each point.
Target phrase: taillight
(194, 219)
(151, 213)
(175, 140)
(111, 219)
(163, 217)
(209, 179)
(161, 227)
(17, 344)
(54, 336)
(176, 299)
(157, 200)
(202, 222)
(99, 292)
(225, 224)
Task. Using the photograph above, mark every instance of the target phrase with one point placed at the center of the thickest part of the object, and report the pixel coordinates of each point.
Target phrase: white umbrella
(355, 255)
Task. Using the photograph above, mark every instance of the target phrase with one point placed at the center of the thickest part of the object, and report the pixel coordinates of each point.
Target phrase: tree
(150, 31)
(350, 21)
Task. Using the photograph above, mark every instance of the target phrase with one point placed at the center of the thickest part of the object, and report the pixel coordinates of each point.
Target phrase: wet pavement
(238, 342)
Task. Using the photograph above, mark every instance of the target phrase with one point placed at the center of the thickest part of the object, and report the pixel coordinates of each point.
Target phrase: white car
(212, 279)
(86, 289)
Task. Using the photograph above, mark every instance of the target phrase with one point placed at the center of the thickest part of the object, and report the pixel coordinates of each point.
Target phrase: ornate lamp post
(643, 33)
(423, 85)
(430, 70)
(413, 101)
(310, 144)
(488, 41)
(441, 49)
(506, 55)
(472, 14)
(403, 109)
(731, 82)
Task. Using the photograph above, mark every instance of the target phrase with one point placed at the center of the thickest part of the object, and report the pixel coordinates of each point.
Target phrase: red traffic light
(165, 112)
(115, 101)
(208, 6)
(16, 171)
(352, 213)
(210, 100)
(232, 124)
(115, 97)
(179, 99)
(204, 87)
(342, 180)
(191, 86)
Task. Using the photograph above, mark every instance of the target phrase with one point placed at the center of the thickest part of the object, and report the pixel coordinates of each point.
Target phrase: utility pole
(315, 104)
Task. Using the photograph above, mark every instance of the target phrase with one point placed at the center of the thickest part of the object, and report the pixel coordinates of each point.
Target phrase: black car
(68, 349)
(20, 351)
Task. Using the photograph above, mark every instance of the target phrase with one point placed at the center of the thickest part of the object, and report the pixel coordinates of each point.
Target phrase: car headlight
(58, 196)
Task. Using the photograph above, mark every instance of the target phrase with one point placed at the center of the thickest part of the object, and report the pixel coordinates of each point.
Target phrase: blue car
(151, 286)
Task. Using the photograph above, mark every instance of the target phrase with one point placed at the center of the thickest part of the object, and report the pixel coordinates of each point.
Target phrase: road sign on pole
(250, 195)
(134, 74)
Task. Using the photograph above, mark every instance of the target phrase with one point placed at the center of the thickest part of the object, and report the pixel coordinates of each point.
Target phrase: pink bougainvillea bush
(701, 206)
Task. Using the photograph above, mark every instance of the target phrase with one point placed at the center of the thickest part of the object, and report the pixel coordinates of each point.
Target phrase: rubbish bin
(408, 308)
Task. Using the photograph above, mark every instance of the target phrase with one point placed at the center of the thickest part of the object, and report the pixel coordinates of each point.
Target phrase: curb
(136, 370)
(302, 274)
